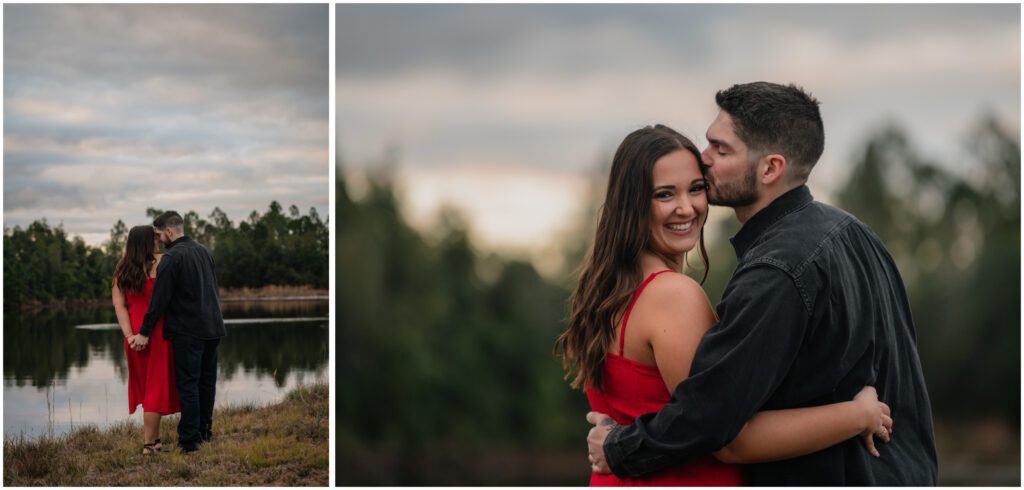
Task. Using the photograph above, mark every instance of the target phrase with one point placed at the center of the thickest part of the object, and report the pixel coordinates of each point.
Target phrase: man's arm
(738, 365)
(163, 290)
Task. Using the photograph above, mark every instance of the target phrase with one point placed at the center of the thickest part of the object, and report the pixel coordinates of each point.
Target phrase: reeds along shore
(265, 293)
(284, 444)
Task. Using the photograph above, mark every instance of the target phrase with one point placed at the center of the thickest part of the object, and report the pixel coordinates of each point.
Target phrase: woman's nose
(685, 208)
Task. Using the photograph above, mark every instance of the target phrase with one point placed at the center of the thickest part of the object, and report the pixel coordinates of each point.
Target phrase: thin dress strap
(625, 318)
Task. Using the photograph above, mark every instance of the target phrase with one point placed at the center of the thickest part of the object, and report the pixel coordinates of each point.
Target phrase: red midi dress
(632, 388)
(151, 370)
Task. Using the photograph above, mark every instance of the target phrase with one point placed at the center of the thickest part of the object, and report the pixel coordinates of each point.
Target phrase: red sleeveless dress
(632, 388)
(151, 370)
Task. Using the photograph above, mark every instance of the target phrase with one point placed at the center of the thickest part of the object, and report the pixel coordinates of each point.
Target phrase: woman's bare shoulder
(675, 289)
(676, 300)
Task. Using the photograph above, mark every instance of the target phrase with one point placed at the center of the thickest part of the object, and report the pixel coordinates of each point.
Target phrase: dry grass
(278, 445)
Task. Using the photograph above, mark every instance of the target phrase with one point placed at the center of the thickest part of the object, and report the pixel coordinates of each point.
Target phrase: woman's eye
(662, 195)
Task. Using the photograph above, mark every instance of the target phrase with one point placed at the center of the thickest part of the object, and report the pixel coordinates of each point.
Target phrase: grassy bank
(285, 444)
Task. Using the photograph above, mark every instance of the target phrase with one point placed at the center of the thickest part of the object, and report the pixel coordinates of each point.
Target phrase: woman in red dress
(654, 213)
(150, 369)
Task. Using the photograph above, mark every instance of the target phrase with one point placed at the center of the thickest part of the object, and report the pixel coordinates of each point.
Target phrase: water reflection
(41, 348)
(56, 373)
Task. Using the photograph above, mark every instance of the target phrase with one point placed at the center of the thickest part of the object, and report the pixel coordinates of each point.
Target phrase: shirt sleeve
(739, 363)
(163, 289)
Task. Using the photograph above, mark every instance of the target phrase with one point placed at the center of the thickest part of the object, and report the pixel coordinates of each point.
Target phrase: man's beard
(742, 192)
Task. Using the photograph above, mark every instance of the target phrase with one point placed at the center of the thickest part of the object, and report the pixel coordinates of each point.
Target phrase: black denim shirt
(815, 311)
(186, 291)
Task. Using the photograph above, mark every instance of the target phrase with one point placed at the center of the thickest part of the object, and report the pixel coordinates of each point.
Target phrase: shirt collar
(752, 230)
(181, 239)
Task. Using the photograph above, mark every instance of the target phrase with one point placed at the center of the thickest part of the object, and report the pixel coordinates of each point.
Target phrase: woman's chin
(680, 247)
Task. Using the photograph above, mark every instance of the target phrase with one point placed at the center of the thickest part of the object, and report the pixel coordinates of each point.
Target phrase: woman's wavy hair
(611, 272)
(133, 268)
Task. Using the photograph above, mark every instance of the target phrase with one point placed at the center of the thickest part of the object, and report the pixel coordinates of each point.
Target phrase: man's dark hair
(773, 118)
(169, 219)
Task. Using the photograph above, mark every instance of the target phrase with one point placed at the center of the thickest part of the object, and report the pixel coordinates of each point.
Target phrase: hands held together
(603, 424)
(137, 342)
(878, 422)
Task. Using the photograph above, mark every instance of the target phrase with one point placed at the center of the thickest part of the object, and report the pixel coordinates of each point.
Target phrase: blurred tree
(459, 362)
(956, 240)
(118, 238)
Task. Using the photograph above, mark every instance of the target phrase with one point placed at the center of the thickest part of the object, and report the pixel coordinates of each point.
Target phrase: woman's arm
(673, 318)
(121, 310)
(782, 434)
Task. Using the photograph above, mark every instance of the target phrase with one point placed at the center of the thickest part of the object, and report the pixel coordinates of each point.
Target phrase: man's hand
(603, 424)
(140, 342)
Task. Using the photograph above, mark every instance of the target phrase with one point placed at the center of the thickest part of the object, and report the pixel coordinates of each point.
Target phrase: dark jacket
(815, 311)
(186, 291)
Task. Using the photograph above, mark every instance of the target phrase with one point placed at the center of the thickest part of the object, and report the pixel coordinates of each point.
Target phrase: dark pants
(195, 375)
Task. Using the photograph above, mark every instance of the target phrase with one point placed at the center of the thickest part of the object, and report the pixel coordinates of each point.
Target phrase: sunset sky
(110, 109)
(504, 111)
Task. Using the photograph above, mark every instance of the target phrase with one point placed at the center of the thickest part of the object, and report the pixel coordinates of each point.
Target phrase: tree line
(444, 349)
(43, 264)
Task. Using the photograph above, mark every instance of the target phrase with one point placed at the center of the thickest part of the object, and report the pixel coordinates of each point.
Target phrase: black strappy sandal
(149, 449)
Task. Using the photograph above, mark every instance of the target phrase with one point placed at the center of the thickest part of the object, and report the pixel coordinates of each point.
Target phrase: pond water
(66, 368)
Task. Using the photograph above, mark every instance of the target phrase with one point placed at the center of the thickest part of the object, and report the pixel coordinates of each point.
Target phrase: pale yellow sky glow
(509, 208)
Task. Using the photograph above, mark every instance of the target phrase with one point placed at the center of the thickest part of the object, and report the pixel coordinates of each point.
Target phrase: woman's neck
(652, 262)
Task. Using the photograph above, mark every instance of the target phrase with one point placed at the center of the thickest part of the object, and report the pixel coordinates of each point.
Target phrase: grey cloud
(193, 95)
(486, 41)
(250, 47)
(538, 86)
(476, 39)
(26, 194)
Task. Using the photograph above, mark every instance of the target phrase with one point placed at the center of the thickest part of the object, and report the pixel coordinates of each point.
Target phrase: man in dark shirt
(815, 311)
(186, 292)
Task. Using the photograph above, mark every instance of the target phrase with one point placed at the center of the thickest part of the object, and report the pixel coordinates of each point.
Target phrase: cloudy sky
(110, 109)
(504, 110)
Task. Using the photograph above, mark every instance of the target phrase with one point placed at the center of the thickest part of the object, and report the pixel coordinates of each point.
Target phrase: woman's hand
(877, 418)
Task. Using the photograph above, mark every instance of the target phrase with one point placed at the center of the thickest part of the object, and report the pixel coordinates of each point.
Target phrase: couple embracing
(811, 354)
(168, 309)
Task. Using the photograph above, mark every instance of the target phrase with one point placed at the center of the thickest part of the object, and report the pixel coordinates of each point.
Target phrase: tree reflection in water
(40, 348)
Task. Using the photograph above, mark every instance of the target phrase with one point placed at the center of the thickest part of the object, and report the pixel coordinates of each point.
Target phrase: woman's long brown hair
(133, 268)
(611, 272)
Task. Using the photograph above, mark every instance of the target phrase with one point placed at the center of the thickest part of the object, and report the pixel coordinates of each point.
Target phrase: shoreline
(234, 295)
